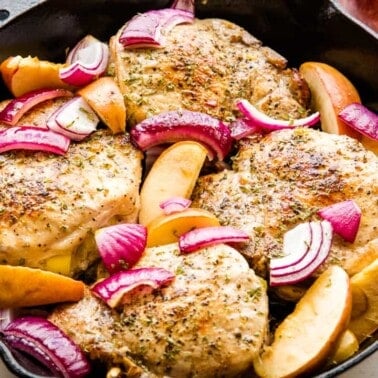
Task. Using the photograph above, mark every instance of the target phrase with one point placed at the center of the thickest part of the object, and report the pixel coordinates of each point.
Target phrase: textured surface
(50, 205)
(206, 66)
(11, 9)
(210, 322)
(283, 179)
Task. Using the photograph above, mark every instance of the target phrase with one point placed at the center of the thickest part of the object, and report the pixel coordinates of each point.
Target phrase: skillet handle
(10, 9)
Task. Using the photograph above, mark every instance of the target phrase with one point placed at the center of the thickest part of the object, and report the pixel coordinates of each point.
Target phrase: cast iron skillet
(298, 29)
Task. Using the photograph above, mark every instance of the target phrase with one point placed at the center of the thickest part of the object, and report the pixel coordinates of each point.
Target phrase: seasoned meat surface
(206, 66)
(51, 205)
(209, 322)
(282, 179)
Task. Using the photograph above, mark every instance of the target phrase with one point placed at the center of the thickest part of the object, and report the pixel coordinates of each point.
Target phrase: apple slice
(331, 92)
(105, 98)
(370, 144)
(33, 287)
(346, 346)
(168, 228)
(364, 285)
(173, 174)
(305, 338)
(23, 75)
(59, 264)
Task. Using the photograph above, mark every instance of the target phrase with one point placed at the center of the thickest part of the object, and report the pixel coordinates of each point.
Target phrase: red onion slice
(316, 239)
(121, 245)
(185, 5)
(174, 126)
(148, 29)
(112, 289)
(205, 236)
(345, 218)
(86, 62)
(296, 244)
(42, 340)
(75, 119)
(33, 138)
(263, 121)
(7, 315)
(175, 205)
(305, 266)
(360, 118)
(17, 107)
(241, 128)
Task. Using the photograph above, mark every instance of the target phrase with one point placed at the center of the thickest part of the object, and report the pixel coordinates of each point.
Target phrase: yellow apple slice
(105, 98)
(22, 75)
(346, 346)
(331, 91)
(60, 264)
(168, 228)
(173, 174)
(370, 144)
(305, 338)
(23, 287)
(364, 321)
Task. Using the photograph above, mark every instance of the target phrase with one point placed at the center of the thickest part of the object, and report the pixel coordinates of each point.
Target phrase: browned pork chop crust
(283, 179)
(210, 321)
(206, 66)
(51, 205)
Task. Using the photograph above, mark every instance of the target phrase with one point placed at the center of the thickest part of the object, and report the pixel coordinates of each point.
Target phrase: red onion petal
(316, 239)
(360, 118)
(296, 243)
(121, 246)
(293, 274)
(241, 128)
(148, 29)
(74, 119)
(175, 205)
(345, 218)
(205, 236)
(33, 138)
(44, 341)
(185, 5)
(7, 315)
(112, 289)
(263, 121)
(86, 62)
(17, 107)
(173, 17)
(174, 126)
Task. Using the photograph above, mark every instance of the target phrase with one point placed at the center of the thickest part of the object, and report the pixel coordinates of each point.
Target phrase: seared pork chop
(206, 66)
(282, 180)
(209, 322)
(51, 205)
